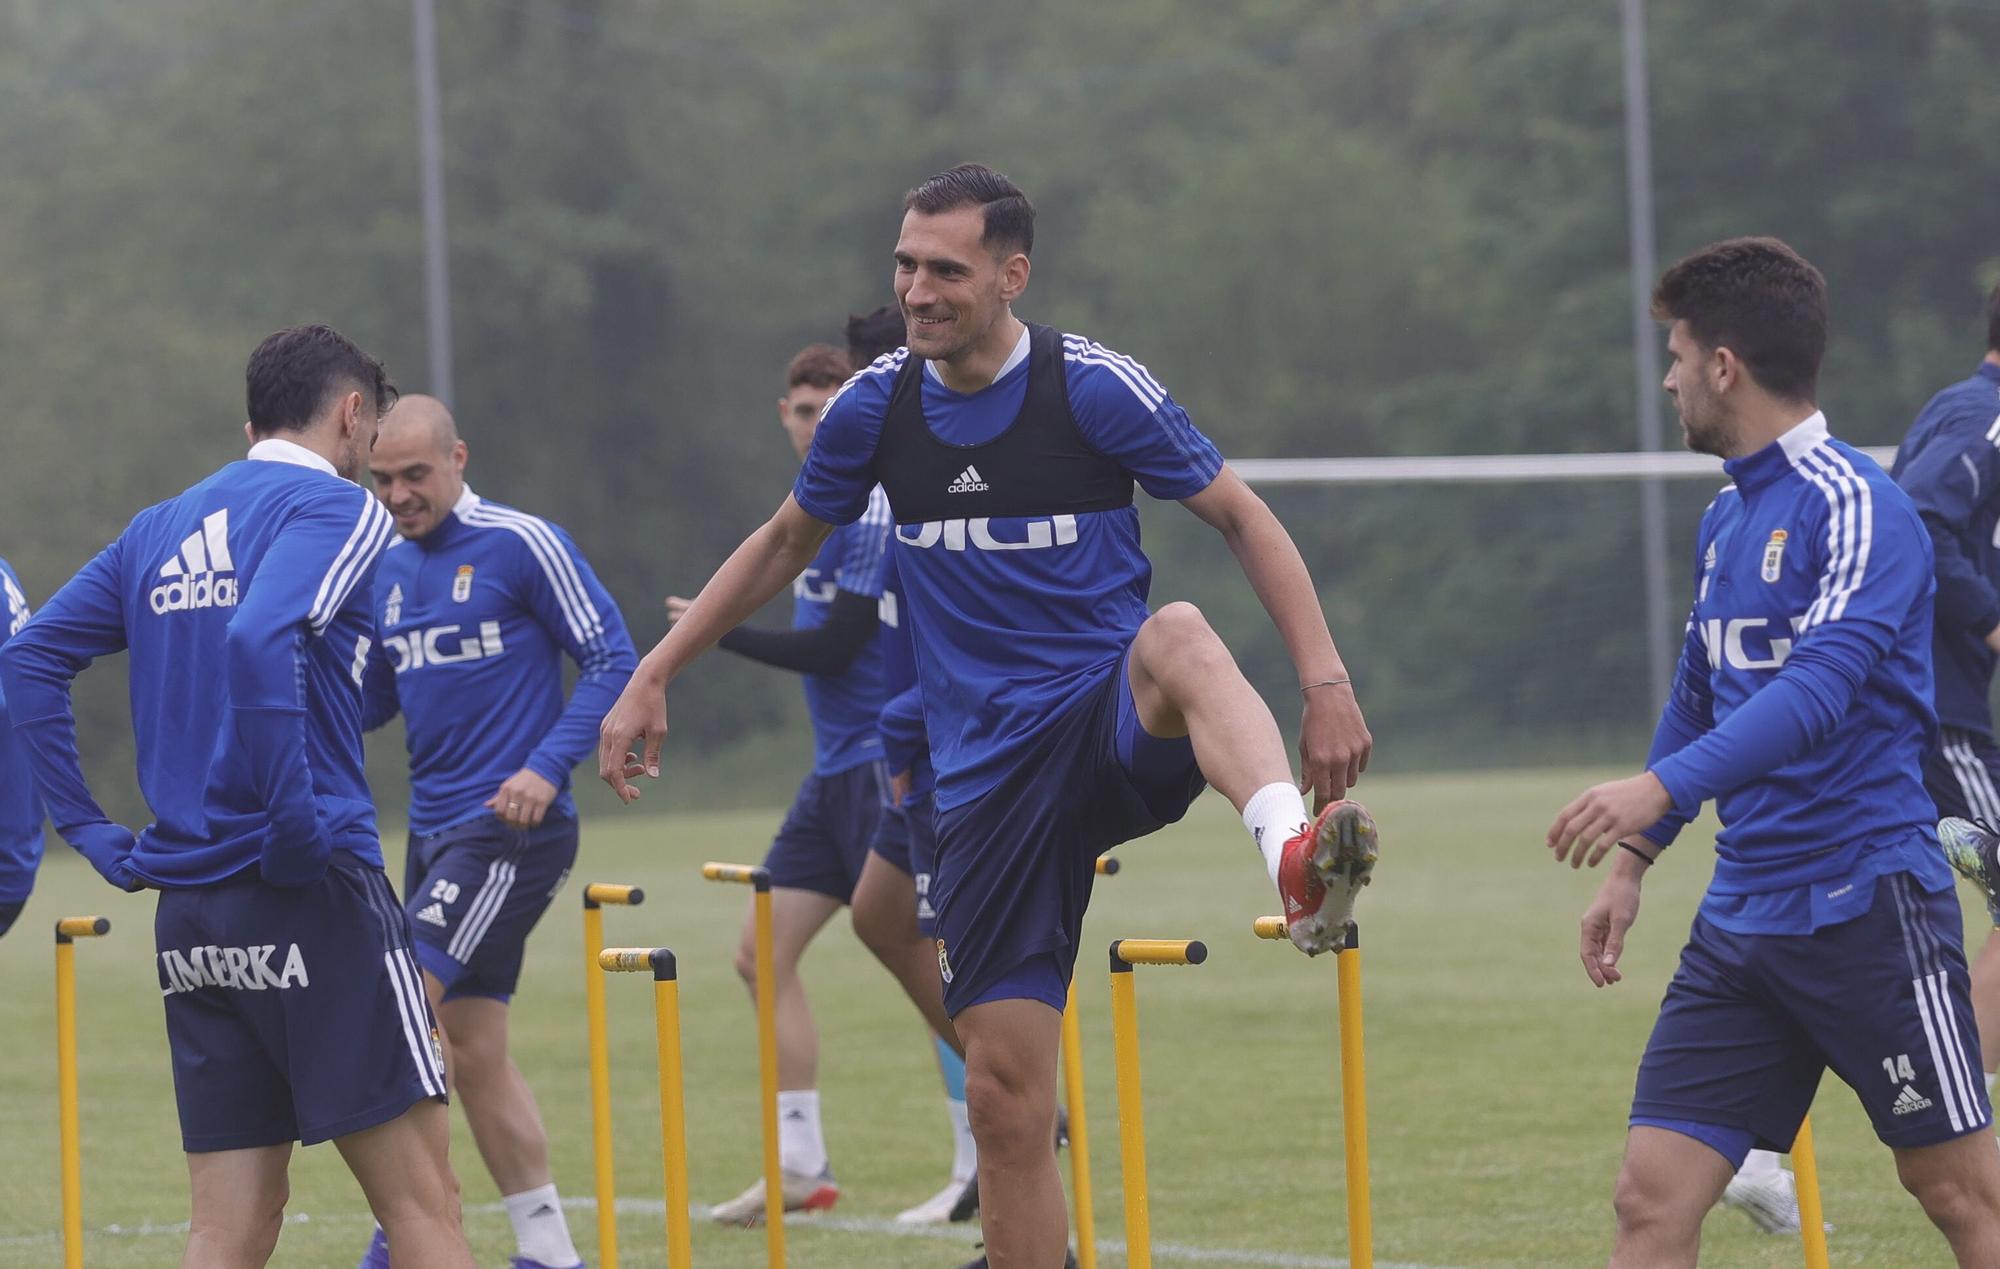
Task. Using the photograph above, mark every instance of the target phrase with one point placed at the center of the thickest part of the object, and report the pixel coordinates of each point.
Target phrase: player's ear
(1014, 272)
(459, 453)
(249, 432)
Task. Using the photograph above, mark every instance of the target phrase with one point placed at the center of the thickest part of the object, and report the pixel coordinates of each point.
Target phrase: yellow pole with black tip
(1353, 1089)
(673, 1112)
(595, 896)
(1125, 953)
(70, 1146)
(759, 880)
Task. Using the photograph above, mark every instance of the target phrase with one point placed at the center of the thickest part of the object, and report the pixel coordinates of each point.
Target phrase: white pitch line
(962, 1234)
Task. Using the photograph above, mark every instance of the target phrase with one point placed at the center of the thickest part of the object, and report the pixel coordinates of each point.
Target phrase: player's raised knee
(1177, 637)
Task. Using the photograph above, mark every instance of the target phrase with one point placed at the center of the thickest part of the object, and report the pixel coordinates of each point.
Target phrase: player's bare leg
(796, 917)
(885, 920)
(1665, 1188)
(1958, 1183)
(1185, 682)
(239, 1206)
(1010, 1086)
(1986, 1004)
(499, 1106)
(406, 1175)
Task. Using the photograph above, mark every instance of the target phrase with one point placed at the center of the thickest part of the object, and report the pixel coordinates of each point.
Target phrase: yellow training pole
(1079, 1130)
(68, 930)
(767, 1045)
(595, 896)
(1812, 1217)
(1125, 953)
(1354, 1103)
(673, 1114)
(1353, 1090)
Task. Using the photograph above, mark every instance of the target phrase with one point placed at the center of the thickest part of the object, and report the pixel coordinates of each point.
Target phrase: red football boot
(1321, 871)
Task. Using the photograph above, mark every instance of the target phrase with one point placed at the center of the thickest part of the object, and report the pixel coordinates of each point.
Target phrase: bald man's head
(426, 416)
(418, 464)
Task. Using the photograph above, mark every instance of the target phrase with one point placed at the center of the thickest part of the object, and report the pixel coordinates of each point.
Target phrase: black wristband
(1640, 853)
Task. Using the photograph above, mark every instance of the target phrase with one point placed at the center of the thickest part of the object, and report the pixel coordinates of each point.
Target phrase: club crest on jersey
(461, 585)
(1774, 555)
(944, 962)
(392, 610)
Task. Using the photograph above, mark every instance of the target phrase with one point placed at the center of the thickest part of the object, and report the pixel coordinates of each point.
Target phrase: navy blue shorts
(1962, 775)
(1015, 865)
(825, 838)
(9, 913)
(293, 1013)
(474, 891)
(907, 838)
(1751, 1021)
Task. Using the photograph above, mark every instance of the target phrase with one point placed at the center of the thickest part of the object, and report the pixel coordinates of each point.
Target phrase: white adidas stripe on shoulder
(579, 612)
(1850, 529)
(371, 533)
(888, 363)
(1129, 372)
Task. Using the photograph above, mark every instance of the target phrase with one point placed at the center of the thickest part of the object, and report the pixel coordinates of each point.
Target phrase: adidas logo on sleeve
(968, 482)
(201, 574)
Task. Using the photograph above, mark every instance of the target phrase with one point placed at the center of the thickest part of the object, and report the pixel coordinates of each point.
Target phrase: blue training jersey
(1014, 615)
(844, 707)
(1949, 464)
(20, 805)
(244, 605)
(904, 744)
(474, 619)
(1802, 704)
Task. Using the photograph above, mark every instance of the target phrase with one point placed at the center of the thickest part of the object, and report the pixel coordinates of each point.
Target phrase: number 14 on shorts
(1898, 1068)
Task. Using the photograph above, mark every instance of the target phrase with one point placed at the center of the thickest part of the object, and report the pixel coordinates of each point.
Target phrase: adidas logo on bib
(968, 482)
(1909, 1102)
(201, 574)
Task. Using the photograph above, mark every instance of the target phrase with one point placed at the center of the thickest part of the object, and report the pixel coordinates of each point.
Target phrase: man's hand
(899, 786)
(1993, 638)
(1594, 822)
(523, 800)
(108, 847)
(628, 741)
(1334, 744)
(676, 608)
(1607, 918)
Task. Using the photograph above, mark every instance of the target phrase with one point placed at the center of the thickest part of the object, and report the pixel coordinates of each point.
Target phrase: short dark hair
(1992, 320)
(821, 365)
(294, 373)
(1761, 300)
(1010, 217)
(872, 334)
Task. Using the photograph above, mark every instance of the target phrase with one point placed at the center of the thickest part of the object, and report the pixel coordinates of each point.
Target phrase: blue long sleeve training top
(474, 620)
(905, 747)
(1949, 464)
(1802, 704)
(243, 603)
(20, 805)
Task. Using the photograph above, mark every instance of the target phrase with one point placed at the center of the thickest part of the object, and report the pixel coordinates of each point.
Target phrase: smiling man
(476, 605)
(1064, 717)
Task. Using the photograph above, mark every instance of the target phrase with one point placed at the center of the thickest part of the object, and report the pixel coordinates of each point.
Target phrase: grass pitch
(1498, 1078)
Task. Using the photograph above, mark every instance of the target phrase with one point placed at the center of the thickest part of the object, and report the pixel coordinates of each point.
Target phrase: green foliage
(1360, 227)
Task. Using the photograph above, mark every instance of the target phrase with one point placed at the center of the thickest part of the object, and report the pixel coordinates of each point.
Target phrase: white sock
(801, 1144)
(1759, 1162)
(1273, 815)
(539, 1227)
(964, 1154)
